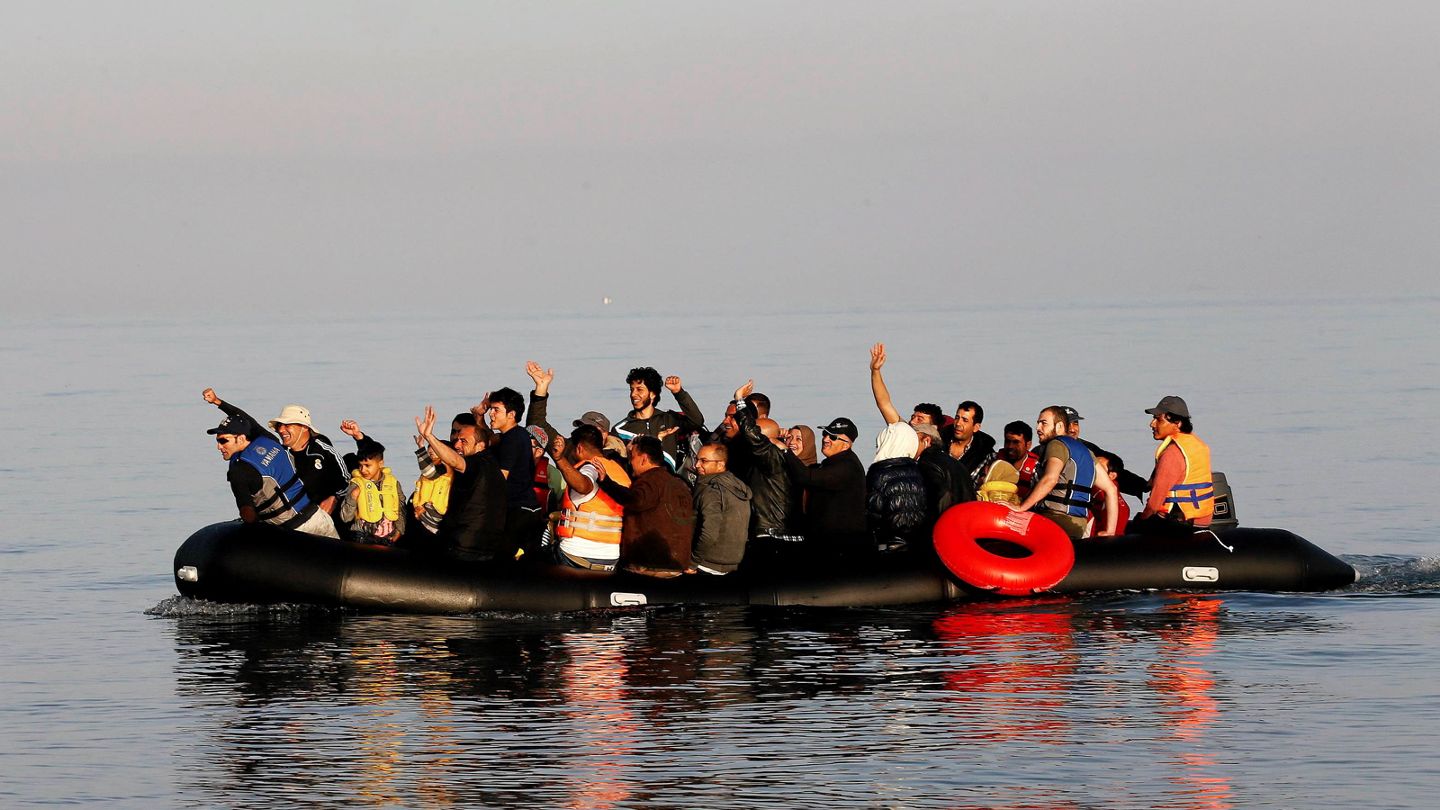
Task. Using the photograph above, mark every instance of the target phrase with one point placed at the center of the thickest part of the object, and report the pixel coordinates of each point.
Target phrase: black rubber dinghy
(259, 564)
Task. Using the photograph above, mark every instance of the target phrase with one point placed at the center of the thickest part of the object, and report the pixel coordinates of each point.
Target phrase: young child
(372, 509)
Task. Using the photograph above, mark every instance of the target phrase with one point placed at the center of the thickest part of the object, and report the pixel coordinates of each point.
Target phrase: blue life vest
(281, 499)
(1071, 496)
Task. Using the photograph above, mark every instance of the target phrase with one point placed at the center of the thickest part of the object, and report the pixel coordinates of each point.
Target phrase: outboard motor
(1224, 504)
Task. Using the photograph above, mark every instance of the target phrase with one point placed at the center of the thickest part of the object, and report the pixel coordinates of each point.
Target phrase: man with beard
(645, 420)
(1068, 472)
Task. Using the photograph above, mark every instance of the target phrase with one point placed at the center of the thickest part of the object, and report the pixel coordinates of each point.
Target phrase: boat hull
(258, 564)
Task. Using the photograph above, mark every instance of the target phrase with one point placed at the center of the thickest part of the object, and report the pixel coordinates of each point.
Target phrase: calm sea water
(118, 692)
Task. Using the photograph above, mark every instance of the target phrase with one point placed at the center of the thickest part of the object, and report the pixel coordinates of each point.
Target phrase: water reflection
(689, 706)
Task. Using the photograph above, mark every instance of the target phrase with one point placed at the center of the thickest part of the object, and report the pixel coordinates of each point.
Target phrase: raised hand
(210, 397)
(673, 383)
(877, 356)
(557, 447)
(541, 376)
(351, 428)
(744, 390)
(426, 426)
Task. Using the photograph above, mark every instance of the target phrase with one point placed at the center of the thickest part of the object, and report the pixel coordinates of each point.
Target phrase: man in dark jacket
(765, 471)
(971, 446)
(836, 492)
(659, 521)
(722, 513)
(945, 484)
(646, 420)
(474, 524)
(320, 468)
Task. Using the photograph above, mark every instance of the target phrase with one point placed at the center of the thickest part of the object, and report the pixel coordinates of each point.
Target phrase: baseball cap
(1173, 405)
(593, 418)
(232, 426)
(1071, 414)
(538, 434)
(840, 426)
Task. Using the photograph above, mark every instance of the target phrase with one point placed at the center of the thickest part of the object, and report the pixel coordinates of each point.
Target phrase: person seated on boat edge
(969, 445)
(939, 474)
(834, 490)
(645, 420)
(756, 439)
(659, 521)
(1128, 483)
(591, 520)
(1067, 474)
(1021, 455)
(1111, 466)
(1182, 487)
(371, 511)
(524, 521)
(473, 527)
(722, 513)
(313, 454)
(898, 509)
(263, 479)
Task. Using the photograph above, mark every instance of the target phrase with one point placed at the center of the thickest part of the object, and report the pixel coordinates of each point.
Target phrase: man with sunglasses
(263, 479)
(835, 511)
(320, 468)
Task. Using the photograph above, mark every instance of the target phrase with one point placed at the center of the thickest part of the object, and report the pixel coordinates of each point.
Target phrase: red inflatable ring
(957, 540)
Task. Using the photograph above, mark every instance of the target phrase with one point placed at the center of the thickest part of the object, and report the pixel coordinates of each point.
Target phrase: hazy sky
(192, 157)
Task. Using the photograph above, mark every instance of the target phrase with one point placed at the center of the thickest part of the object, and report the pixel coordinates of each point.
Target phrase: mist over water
(119, 692)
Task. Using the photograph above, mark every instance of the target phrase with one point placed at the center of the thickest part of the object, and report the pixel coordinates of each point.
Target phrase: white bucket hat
(292, 415)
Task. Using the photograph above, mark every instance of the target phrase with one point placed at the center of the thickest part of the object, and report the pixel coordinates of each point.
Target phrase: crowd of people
(658, 493)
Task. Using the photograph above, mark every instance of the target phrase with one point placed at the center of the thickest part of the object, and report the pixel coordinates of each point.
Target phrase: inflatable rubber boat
(258, 564)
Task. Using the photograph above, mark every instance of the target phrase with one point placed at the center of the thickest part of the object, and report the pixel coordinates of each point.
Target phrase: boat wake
(184, 606)
(1395, 574)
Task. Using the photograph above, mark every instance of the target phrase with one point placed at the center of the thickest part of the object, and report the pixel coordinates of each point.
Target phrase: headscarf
(807, 453)
(897, 440)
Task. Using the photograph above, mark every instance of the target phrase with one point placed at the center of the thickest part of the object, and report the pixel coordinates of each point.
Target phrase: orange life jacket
(1195, 494)
(600, 518)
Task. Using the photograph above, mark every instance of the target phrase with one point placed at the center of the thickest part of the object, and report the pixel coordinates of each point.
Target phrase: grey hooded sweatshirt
(722, 522)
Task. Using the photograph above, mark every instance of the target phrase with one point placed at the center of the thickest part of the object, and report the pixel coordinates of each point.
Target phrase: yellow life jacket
(598, 519)
(1001, 484)
(377, 501)
(434, 491)
(1195, 494)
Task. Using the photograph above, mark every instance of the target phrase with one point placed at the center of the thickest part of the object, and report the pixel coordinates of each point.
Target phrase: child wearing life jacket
(372, 510)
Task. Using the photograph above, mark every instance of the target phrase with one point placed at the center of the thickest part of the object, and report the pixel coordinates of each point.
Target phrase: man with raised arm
(263, 479)
(473, 527)
(646, 420)
(945, 482)
(1067, 473)
(591, 520)
(758, 439)
(314, 457)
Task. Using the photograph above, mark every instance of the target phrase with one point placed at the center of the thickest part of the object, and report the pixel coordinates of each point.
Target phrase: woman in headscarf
(800, 440)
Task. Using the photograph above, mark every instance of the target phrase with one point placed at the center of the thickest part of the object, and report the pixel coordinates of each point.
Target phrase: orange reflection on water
(1187, 690)
(593, 679)
(1011, 669)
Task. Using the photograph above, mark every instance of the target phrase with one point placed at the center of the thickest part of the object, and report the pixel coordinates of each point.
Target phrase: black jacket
(765, 473)
(946, 484)
(687, 418)
(835, 514)
(318, 465)
(896, 502)
(977, 457)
